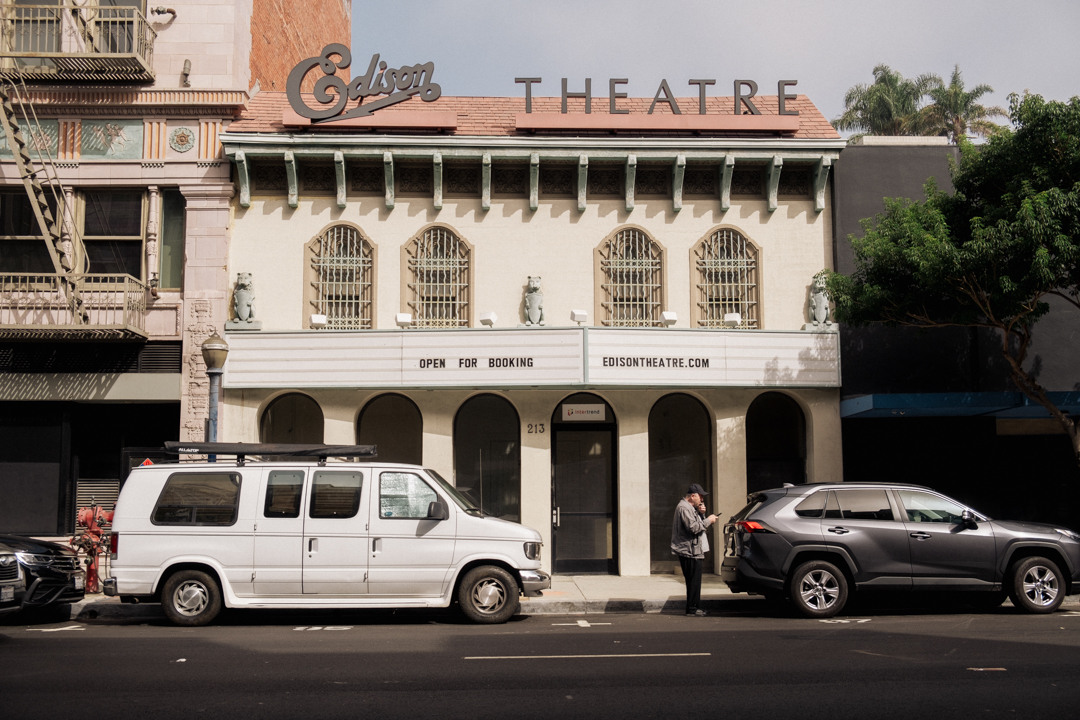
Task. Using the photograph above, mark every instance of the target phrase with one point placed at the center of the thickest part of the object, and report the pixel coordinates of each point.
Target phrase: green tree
(955, 110)
(890, 105)
(989, 255)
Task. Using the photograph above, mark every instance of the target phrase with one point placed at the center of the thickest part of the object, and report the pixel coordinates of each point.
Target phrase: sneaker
(696, 613)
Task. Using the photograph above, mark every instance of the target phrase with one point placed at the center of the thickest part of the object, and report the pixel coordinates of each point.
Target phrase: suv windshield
(460, 498)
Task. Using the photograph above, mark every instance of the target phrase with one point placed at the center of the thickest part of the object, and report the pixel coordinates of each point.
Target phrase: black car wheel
(818, 589)
(191, 598)
(1036, 585)
(488, 594)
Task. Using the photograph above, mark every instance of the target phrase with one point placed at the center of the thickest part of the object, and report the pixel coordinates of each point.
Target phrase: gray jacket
(688, 531)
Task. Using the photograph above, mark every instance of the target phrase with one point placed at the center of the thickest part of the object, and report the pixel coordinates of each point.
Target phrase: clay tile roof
(496, 116)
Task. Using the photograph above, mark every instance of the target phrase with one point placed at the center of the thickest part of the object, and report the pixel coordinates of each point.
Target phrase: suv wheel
(488, 594)
(818, 589)
(191, 598)
(1036, 586)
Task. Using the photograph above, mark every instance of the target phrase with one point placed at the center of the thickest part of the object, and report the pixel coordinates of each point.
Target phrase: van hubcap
(489, 595)
(191, 598)
(1040, 585)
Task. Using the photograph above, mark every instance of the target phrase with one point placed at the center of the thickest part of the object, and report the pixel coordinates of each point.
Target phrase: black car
(12, 585)
(817, 543)
(52, 571)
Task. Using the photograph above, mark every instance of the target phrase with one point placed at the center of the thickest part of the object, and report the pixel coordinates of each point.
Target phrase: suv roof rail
(241, 450)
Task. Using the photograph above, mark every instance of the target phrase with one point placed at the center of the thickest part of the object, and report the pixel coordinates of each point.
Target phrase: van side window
(404, 496)
(335, 494)
(198, 499)
(283, 491)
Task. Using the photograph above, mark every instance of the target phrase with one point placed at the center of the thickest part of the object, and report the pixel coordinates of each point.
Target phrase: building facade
(115, 110)
(569, 315)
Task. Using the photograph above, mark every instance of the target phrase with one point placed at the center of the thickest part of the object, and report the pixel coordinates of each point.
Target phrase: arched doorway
(584, 448)
(775, 442)
(292, 418)
(680, 452)
(394, 425)
(487, 455)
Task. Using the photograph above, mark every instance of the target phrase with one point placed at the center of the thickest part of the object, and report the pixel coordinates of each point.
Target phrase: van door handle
(313, 545)
(376, 545)
(839, 530)
(555, 517)
(920, 535)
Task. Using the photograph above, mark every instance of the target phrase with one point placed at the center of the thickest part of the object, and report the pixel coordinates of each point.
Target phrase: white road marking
(988, 669)
(844, 622)
(327, 627)
(181, 660)
(574, 657)
(579, 623)
(60, 629)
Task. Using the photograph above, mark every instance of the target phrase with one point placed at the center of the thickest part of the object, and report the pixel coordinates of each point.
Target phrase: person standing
(688, 541)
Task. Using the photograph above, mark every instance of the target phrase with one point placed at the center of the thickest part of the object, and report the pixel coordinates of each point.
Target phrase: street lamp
(214, 352)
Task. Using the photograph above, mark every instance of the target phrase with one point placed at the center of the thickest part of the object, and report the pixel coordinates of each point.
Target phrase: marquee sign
(398, 84)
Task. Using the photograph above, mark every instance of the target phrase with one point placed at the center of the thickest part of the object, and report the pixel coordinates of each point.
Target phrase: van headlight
(532, 550)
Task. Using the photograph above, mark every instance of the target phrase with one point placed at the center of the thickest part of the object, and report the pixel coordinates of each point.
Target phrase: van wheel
(1035, 585)
(818, 589)
(488, 594)
(191, 598)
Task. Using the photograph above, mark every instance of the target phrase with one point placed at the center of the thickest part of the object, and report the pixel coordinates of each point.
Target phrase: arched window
(631, 280)
(341, 267)
(393, 424)
(439, 267)
(292, 418)
(487, 455)
(775, 442)
(726, 275)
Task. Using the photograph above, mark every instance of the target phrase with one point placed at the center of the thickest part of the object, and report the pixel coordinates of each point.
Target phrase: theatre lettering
(656, 362)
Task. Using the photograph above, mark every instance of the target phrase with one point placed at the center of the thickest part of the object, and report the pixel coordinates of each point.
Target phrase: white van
(312, 535)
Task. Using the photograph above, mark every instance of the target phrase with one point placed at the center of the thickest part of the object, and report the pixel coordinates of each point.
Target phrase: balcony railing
(68, 42)
(50, 306)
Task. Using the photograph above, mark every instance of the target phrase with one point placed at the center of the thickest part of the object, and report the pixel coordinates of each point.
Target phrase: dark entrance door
(584, 526)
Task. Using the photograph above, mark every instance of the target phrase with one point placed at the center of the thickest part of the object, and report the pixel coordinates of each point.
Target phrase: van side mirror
(968, 519)
(437, 510)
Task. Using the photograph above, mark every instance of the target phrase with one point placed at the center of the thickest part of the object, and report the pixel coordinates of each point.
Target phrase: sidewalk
(569, 595)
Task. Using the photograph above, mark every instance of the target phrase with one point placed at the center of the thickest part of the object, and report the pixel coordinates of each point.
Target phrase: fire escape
(66, 44)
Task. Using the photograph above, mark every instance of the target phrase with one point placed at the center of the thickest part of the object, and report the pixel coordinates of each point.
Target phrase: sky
(480, 46)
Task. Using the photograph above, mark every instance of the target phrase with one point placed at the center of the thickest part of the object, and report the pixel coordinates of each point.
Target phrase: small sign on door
(583, 413)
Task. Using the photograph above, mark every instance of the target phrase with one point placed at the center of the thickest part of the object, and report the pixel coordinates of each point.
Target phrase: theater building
(571, 315)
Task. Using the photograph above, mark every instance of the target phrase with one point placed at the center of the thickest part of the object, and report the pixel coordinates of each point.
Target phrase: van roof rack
(242, 450)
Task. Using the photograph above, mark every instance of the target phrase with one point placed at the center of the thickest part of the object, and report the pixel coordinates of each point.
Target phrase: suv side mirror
(437, 510)
(968, 519)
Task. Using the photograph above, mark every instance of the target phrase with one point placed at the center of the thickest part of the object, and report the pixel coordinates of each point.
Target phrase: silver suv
(817, 543)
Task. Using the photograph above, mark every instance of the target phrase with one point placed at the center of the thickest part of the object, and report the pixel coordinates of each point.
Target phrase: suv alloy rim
(191, 598)
(489, 595)
(819, 589)
(1041, 585)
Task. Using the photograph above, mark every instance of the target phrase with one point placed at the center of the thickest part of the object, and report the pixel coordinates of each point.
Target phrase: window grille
(439, 282)
(727, 280)
(632, 267)
(341, 262)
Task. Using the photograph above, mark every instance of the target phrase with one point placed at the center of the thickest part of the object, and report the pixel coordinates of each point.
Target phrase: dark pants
(691, 571)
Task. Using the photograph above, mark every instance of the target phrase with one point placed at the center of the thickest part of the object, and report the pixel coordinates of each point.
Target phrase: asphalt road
(907, 662)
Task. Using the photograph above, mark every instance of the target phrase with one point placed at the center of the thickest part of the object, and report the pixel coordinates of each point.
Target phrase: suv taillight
(114, 541)
(751, 526)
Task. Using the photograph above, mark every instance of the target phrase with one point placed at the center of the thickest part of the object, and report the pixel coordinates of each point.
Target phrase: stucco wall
(511, 242)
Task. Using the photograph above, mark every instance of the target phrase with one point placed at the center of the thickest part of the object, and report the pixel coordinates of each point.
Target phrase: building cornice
(101, 101)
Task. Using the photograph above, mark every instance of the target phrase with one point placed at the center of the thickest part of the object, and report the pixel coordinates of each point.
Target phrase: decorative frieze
(510, 180)
(605, 180)
(318, 178)
(269, 178)
(461, 180)
(557, 180)
(367, 179)
(652, 181)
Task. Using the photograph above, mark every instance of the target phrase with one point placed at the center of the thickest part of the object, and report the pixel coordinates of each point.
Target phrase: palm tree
(955, 111)
(890, 105)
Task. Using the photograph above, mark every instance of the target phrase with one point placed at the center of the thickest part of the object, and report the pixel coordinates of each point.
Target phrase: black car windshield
(460, 498)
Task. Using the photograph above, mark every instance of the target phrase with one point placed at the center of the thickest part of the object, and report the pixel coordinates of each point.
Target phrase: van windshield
(460, 498)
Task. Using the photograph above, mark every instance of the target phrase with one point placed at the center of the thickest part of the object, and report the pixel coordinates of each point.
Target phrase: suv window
(404, 495)
(926, 507)
(864, 504)
(813, 506)
(283, 491)
(753, 503)
(335, 494)
(198, 499)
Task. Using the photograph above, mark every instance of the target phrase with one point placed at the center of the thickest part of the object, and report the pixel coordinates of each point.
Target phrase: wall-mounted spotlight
(403, 320)
(669, 318)
(579, 316)
(317, 321)
(488, 319)
(732, 320)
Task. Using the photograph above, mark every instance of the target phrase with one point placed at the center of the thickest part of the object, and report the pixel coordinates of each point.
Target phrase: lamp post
(214, 352)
